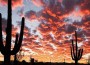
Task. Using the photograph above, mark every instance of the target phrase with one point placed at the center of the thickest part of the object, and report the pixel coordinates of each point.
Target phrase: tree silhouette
(6, 49)
(76, 53)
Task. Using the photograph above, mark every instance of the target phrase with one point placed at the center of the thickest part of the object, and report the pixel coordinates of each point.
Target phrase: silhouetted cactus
(6, 49)
(76, 53)
(15, 59)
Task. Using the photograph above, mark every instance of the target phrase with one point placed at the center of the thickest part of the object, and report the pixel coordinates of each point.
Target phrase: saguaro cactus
(6, 49)
(76, 53)
(15, 59)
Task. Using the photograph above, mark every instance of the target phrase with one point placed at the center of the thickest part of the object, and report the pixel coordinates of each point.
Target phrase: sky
(50, 26)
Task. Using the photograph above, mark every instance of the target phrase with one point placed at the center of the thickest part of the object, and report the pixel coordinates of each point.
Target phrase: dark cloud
(86, 18)
(69, 4)
(85, 5)
(4, 24)
(69, 29)
(31, 15)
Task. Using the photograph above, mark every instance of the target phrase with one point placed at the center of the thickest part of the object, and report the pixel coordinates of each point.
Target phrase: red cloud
(15, 3)
(38, 2)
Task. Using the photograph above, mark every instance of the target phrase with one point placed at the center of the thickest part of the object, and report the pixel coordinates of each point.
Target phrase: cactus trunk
(76, 62)
(7, 59)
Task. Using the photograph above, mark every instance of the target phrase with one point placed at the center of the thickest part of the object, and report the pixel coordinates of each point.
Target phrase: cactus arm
(76, 44)
(1, 37)
(80, 54)
(18, 42)
(21, 32)
(73, 49)
(72, 55)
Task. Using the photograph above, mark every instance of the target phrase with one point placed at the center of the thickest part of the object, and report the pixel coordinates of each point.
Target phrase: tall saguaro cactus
(76, 53)
(6, 49)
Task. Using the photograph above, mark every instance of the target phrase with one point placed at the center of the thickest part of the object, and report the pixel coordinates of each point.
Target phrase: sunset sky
(50, 26)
